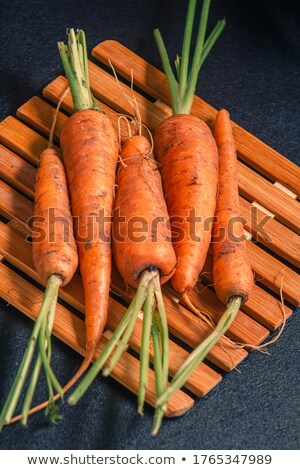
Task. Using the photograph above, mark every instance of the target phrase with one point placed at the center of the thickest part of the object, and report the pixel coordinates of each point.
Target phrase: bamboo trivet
(23, 139)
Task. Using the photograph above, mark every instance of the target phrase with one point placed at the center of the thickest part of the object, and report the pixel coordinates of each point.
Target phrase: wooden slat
(14, 168)
(38, 114)
(21, 139)
(255, 188)
(10, 199)
(274, 274)
(70, 329)
(275, 236)
(148, 78)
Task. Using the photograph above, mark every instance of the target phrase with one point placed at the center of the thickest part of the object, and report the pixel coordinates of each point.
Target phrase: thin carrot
(145, 258)
(233, 277)
(55, 259)
(90, 152)
(187, 153)
(231, 267)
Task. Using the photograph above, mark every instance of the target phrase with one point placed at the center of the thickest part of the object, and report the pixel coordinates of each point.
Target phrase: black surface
(253, 71)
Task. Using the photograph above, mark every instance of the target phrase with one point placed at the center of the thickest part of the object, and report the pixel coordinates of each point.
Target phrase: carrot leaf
(75, 63)
(182, 92)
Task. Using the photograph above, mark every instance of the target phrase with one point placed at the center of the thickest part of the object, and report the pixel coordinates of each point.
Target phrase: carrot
(187, 153)
(55, 259)
(145, 260)
(233, 278)
(231, 267)
(90, 152)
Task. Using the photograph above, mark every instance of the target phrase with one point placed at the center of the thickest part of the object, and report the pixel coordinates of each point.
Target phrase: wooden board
(271, 213)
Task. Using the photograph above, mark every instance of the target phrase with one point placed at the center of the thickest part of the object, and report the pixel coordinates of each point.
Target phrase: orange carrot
(54, 250)
(90, 151)
(139, 198)
(187, 153)
(89, 147)
(233, 278)
(231, 267)
(145, 258)
(55, 258)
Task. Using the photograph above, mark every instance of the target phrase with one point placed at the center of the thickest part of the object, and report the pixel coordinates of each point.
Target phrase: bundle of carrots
(195, 169)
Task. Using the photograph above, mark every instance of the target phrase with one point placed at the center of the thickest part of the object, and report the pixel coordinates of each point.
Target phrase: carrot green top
(182, 90)
(75, 62)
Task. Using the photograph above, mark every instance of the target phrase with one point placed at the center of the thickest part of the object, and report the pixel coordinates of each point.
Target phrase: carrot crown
(182, 89)
(75, 61)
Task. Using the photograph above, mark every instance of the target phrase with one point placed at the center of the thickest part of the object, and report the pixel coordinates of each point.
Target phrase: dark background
(254, 71)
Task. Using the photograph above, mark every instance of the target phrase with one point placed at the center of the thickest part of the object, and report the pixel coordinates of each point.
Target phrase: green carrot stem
(145, 347)
(164, 331)
(197, 356)
(182, 92)
(159, 379)
(139, 301)
(74, 60)
(212, 38)
(36, 371)
(46, 362)
(17, 386)
(186, 46)
(173, 85)
(125, 328)
(195, 68)
(31, 389)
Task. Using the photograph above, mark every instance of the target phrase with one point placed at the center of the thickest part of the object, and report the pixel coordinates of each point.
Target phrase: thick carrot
(55, 258)
(89, 147)
(145, 257)
(233, 278)
(231, 267)
(90, 152)
(141, 205)
(187, 153)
